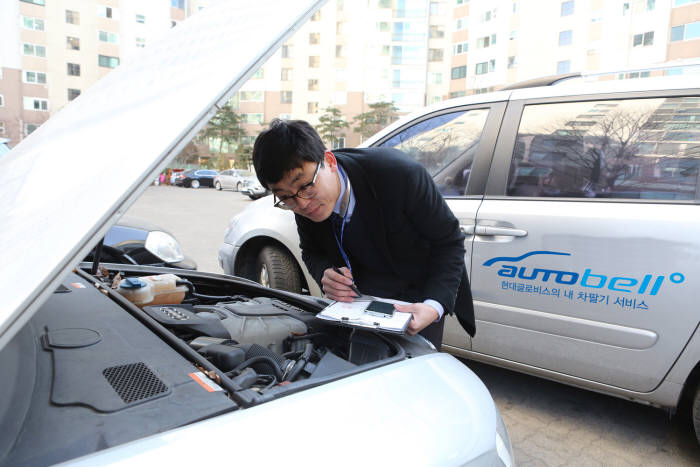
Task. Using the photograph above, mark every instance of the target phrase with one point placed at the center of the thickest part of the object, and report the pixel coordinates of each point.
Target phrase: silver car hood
(63, 187)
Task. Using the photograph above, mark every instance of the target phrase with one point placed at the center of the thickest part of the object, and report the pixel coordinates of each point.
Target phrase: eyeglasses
(305, 192)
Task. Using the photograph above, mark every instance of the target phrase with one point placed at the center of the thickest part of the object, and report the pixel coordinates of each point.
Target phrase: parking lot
(549, 423)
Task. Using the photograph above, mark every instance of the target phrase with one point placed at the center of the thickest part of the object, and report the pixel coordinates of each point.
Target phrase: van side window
(631, 149)
(446, 145)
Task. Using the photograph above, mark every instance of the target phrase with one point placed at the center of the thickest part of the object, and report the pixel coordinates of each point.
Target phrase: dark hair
(285, 146)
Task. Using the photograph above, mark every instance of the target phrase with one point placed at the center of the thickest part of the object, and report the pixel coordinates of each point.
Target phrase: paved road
(550, 424)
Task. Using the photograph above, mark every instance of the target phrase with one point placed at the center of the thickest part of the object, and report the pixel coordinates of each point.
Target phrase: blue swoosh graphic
(519, 258)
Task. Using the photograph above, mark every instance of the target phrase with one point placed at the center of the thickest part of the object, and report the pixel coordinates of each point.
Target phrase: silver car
(135, 365)
(231, 179)
(580, 205)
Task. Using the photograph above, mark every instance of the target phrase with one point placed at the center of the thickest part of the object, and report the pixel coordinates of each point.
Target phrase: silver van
(580, 203)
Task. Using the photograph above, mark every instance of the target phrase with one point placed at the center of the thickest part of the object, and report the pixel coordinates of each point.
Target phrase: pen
(352, 286)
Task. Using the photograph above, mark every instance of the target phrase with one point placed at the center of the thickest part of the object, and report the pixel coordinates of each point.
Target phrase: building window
(36, 2)
(29, 22)
(72, 17)
(260, 74)
(72, 43)
(383, 26)
(2, 101)
(512, 61)
(30, 128)
(141, 19)
(384, 3)
(314, 38)
(675, 2)
(454, 94)
(643, 39)
(286, 74)
(251, 96)
(106, 36)
(437, 32)
(487, 15)
(286, 51)
(651, 4)
(435, 55)
(312, 107)
(563, 67)
(34, 77)
(313, 85)
(685, 32)
(2, 126)
(140, 42)
(35, 103)
(567, 8)
(625, 8)
(34, 50)
(73, 69)
(104, 11)
(485, 67)
(435, 77)
(339, 51)
(460, 48)
(565, 37)
(314, 61)
(339, 142)
(459, 72)
(252, 118)
(107, 61)
(178, 4)
(286, 97)
(487, 41)
(316, 16)
(73, 93)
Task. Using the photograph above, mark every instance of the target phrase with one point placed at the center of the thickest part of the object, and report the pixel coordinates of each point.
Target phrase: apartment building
(53, 51)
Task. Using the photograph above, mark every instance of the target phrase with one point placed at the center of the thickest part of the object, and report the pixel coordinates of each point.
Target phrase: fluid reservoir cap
(132, 283)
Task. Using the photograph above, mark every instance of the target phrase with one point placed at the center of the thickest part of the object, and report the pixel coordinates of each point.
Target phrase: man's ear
(330, 160)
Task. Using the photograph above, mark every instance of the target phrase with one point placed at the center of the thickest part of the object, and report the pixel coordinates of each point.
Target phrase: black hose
(190, 286)
(260, 358)
(301, 363)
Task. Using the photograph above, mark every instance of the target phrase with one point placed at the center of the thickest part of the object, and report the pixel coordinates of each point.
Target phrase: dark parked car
(196, 178)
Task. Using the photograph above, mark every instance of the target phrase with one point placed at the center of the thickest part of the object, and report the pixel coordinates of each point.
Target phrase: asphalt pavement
(550, 424)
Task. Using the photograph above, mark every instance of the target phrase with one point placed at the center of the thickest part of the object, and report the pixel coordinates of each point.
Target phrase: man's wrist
(436, 306)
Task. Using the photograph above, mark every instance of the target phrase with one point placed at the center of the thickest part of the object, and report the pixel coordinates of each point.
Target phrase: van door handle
(467, 229)
(491, 230)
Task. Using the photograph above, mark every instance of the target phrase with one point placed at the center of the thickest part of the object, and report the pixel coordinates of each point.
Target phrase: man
(370, 218)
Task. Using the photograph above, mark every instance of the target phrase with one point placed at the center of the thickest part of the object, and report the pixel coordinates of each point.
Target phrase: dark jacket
(410, 224)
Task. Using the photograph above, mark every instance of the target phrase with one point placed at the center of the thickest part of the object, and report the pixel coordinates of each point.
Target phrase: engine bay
(92, 370)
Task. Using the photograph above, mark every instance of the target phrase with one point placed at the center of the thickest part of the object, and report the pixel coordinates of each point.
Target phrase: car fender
(686, 371)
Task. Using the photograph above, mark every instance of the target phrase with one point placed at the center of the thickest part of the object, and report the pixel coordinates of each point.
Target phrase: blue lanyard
(340, 243)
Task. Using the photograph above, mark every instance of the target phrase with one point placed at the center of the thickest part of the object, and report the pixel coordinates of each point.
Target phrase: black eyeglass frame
(279, 202)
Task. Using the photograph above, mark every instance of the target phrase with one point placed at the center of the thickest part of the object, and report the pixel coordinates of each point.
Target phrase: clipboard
(355, 314)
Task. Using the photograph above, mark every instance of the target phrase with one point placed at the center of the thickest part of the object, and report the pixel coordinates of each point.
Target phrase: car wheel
(238, 186)
(277, 269)
(195, 184)
(696, 412)
(218, 186)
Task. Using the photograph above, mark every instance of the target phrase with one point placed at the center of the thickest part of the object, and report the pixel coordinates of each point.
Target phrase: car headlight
(164, 246)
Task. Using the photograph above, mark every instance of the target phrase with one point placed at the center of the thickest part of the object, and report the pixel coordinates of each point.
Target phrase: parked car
(580, 205)
(136, 241)
(196, 178)
(253, 189)
(138, 365)
(231, 179)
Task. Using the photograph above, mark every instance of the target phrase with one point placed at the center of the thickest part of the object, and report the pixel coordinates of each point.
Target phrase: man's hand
(423, 316)
(337, 286)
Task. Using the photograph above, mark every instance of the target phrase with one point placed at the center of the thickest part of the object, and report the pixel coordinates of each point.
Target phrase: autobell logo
(648, 284)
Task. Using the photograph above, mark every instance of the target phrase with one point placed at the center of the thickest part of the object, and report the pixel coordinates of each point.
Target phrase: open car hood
(68, 183)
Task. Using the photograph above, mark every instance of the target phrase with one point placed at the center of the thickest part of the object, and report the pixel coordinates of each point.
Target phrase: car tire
(277, 269)
(218, 186)
(695, 411)
(238, 186)
(194, 184)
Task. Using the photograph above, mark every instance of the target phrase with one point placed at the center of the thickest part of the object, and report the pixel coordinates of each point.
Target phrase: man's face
(327, 188)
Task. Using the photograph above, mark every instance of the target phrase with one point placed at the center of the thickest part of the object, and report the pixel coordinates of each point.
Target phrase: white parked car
(231, 179)
(580, 205)
(135, 365)
(253, 189)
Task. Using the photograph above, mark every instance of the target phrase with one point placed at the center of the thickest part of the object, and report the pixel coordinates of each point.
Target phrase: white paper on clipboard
(353, 314)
